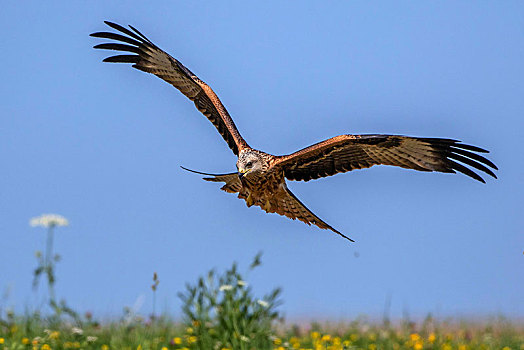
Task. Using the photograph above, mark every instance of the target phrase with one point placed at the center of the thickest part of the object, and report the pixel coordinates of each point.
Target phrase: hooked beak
(242, 172)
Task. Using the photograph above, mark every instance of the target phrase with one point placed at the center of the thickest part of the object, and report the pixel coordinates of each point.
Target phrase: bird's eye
(249, 164)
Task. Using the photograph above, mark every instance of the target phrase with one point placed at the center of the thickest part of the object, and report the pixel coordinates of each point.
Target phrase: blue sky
(102, 144)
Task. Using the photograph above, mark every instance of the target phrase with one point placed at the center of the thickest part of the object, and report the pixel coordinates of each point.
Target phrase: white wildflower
(242, 283)
(49, 220)
(244, 338)
(91, 339)
(263, 303)
(225, 287)
(47, 331)
(76, 330)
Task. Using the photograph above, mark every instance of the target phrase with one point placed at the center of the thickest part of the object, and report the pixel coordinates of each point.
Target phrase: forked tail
(232, 182)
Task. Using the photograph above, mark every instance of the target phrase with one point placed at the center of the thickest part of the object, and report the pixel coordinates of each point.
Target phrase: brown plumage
(149, 58)
(260, 179)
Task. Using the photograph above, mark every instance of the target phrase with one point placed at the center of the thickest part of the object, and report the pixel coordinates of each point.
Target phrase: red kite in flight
(261, 177)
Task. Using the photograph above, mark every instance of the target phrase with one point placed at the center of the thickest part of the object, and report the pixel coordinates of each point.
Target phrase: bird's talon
(249, 200)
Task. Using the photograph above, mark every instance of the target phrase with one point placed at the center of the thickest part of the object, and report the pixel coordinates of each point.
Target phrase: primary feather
(151, 59)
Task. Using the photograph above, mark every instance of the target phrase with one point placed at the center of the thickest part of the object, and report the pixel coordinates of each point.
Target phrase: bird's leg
(267, 206)
(249, 200)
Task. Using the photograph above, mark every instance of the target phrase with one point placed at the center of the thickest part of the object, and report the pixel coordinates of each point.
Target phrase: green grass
(220, 312)
(35, 333)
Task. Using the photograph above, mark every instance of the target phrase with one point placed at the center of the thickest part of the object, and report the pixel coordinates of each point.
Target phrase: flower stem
(49, 263)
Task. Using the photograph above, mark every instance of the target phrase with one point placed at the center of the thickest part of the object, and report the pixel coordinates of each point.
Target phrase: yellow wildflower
(76, 345)
(372, 336)
(46, 347)
(54, 335)
(464, 347)
(2, 340)
(432, 337)
(165, 348)
(281, 348)
(506, 348)
(446, 347)
(192, 339)
(295, 342)
(177, 340)
(414, 337)
(277, 341)
(418, 345)
(315, 335)
(25, 341)
(139, 347)
(326, 337)
(105, 347)
(189, 330)
(354, 337)
(372, 347)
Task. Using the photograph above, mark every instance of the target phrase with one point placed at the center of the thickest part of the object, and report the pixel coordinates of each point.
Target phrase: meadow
(231, 330)
(220, 312)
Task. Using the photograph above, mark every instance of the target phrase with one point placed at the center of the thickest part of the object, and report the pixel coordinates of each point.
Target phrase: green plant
(46, 263)
(154, 286)
(221, 312)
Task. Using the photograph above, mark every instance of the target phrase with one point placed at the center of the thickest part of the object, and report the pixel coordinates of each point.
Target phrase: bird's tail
(233, 184)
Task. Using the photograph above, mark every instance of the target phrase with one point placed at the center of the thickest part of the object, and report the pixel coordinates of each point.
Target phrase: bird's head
(250, 163)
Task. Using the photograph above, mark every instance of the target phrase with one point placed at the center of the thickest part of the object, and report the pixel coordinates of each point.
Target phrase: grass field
(220, 311)
(162, 334)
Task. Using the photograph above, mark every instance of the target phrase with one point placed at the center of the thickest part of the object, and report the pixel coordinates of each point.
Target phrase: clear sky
(101, 144)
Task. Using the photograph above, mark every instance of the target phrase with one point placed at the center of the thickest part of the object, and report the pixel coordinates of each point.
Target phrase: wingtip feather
(122, 59)
(341, 234)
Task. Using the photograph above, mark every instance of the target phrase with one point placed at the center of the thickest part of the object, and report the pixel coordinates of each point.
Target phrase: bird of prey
(260, 178)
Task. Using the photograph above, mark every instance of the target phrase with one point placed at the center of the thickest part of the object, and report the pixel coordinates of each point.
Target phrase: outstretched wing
(147, 57)
(284, 203)
(348, 152)
(293, 208)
